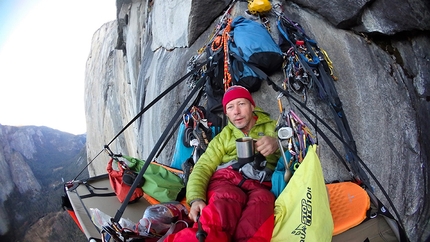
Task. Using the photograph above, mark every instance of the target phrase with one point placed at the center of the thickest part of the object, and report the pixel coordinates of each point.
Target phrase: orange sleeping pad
(348, 205)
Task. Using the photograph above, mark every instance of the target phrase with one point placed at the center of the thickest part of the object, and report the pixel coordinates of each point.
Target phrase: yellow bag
(302, 210)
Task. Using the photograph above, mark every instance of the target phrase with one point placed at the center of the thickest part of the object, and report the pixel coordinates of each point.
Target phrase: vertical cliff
(381, 56)
(33, 161)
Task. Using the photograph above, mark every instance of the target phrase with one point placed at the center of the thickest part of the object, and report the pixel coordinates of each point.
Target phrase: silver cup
(245, 147)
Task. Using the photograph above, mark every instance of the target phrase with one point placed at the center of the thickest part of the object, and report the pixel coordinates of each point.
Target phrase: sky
(44, 45)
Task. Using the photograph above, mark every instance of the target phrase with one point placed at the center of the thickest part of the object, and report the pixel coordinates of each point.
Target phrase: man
(232, 206)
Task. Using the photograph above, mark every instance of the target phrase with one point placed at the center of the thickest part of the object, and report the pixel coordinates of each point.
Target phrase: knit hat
(234, 92)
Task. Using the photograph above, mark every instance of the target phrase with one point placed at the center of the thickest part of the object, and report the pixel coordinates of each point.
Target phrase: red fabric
(234, 92)
(121, 189)
(234, 213)
(73, 215)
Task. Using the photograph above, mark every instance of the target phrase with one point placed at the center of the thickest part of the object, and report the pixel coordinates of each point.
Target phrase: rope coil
(222, 41)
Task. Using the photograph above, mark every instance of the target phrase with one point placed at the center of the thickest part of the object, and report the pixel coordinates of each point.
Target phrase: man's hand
(266, 145)
(196, 208)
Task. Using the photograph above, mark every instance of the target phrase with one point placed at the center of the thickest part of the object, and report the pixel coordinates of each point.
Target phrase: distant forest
(39, 216)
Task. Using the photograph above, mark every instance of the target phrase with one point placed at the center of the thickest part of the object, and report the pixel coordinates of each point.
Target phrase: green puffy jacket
(222, 149)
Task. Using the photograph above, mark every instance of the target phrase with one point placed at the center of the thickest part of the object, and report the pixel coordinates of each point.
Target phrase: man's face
(239, 112)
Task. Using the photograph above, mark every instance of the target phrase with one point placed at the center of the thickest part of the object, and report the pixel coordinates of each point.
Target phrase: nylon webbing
(119, 213)
(198, 67)
(195, 103)
(330, 144)
(329, 94)
(144, 109)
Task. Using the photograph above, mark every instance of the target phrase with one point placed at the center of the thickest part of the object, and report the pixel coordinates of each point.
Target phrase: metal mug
(245, 147)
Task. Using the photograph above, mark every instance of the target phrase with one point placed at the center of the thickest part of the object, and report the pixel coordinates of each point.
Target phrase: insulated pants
(238, 210)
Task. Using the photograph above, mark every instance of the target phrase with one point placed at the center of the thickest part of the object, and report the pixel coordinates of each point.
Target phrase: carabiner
(186, 119)
(281, 109)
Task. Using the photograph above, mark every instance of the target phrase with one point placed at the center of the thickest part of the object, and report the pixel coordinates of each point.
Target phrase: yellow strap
(329, 63)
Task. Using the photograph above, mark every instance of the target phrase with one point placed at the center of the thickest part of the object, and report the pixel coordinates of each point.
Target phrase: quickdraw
(214, 39)
(296, 78)
(197, 128)
(191, 66)
(186, 120)
(197, 114)
(296, 134)
(266, 23)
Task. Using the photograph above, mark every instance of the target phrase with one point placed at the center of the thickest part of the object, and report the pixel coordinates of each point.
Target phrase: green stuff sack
(302, 210)
(160, 183)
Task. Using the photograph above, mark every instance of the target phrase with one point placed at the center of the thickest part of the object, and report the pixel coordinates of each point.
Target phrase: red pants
(237, 210)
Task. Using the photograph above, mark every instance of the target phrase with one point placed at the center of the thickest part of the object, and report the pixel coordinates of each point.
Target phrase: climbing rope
(219, 27)
(221, 41)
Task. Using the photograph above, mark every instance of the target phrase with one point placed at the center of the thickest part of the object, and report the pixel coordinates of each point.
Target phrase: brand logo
(306, 215)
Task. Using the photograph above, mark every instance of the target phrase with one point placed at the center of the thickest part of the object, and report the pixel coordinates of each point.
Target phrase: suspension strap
(158, 99)
(146, 108)
(327, 91)
(151, 156)
(331, 145)
(175, 128)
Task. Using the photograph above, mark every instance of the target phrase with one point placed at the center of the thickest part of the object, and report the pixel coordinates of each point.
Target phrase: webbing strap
(91, 188)
(288, 95)
(151, 156)
(351, 150)
(198, 67)
(263, 75)
(144, 109)
(329, 94)
(175, 128)
(330, 144)
(111, 194)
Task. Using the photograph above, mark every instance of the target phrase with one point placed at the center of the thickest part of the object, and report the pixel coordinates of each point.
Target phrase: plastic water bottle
(157, 219)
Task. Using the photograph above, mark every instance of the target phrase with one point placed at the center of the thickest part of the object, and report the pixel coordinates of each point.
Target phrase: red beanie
(234, 92)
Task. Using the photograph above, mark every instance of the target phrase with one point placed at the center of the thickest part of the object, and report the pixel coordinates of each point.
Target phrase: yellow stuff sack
(302, 210)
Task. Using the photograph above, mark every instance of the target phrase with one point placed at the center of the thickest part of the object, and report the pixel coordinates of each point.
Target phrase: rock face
(26, 154)
(381, 56)
(373, 16)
